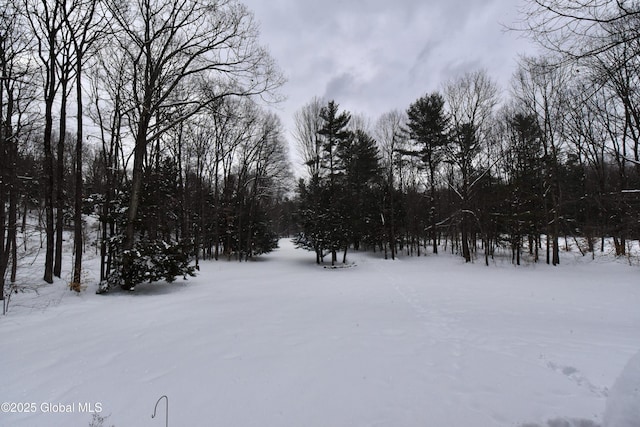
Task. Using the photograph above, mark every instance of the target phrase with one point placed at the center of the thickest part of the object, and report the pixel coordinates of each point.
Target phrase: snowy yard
(282, 342)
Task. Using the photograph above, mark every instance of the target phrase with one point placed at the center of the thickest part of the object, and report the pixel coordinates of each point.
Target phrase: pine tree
(335, 133)
(361, 160)
(524, 165)
(335, 136)
(427, 127)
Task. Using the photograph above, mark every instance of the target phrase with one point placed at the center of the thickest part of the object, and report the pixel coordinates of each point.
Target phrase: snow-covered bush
(151, 261)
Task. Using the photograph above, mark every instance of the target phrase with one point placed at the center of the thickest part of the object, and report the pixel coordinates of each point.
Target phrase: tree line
(147, 115)
(473, 171)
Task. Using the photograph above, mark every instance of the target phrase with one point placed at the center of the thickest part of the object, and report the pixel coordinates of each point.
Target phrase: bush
(151, 261)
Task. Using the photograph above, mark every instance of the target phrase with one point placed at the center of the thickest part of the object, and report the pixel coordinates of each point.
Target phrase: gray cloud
(373, 56)
(341, 85)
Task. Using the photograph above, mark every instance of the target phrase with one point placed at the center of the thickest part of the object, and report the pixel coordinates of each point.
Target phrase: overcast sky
(372, 56)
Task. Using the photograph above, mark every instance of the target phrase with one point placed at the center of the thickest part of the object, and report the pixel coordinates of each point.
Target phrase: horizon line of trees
(147, 115)
(465, 169)
(461, 166)
(169, 146)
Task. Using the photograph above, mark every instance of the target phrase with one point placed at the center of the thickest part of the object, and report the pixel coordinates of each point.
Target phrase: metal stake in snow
(156, 407)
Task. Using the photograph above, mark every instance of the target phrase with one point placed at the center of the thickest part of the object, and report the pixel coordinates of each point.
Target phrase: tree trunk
(48, 178)
(432, 197)
(59, 181)
(486, 251)
(136, 187)
(77, 218)
(466, 253)
(8, 192)
(4, 178)
(216, 208)
(184, 215)
(556, 227)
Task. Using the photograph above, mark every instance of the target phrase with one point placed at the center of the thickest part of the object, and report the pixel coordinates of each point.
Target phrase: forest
(150, 121)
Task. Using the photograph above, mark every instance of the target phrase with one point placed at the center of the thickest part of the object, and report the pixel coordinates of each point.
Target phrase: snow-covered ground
(424, 341)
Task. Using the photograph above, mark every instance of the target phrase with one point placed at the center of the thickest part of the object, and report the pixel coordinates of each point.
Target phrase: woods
(146, 80)
(151, 119)
(475, 172)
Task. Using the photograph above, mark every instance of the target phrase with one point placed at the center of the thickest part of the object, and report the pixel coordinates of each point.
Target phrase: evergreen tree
(427, 127)
(335, 214)
(310, 215)
(361, 160)
(335, 133)
(340, 204)
(524, 168)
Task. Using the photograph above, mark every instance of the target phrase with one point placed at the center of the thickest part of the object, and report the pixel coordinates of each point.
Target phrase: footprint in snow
(577, 377)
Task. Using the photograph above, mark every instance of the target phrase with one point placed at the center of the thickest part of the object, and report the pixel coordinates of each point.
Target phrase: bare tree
(520, 168)
(580, 29)
(471, 102)
(45, 19)
(541, 88)
(80, 22)
(209, 46)
(307, 124)
(107, 111)
(265, 169)
(391, 137)
(234, 122)
(601, 40)
(615, 73)
(16, 96)
(65, 67)
(197, 154)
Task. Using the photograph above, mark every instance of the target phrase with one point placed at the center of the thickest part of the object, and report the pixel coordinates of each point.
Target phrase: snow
(623, 404)
(426, 341)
